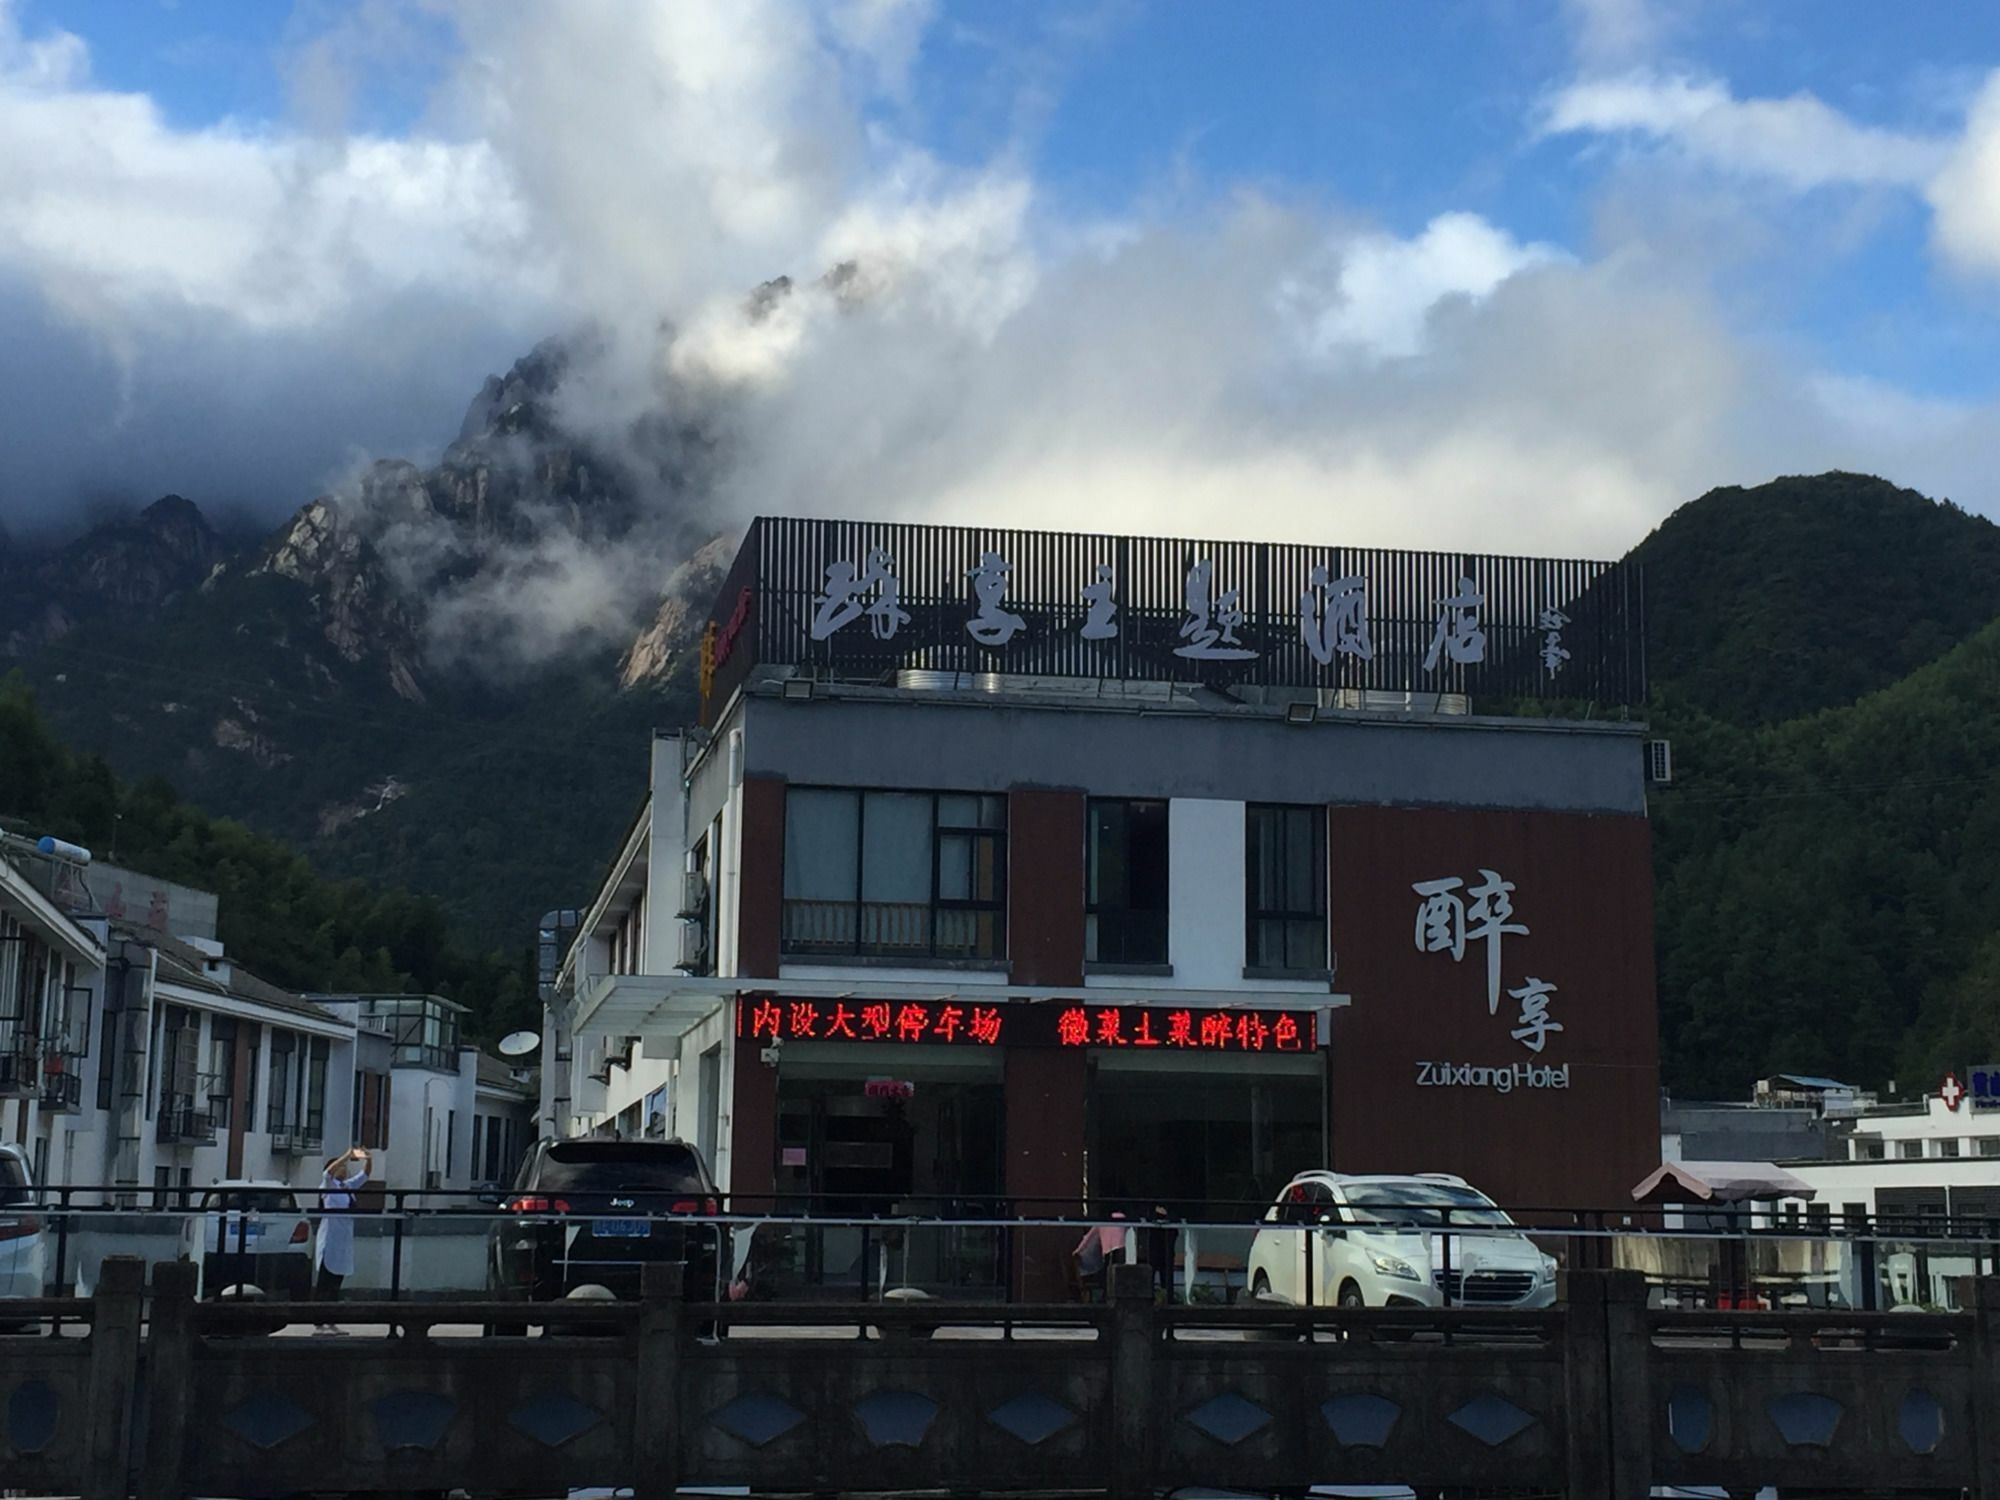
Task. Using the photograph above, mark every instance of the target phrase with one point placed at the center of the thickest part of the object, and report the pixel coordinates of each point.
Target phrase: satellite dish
(519, 1043)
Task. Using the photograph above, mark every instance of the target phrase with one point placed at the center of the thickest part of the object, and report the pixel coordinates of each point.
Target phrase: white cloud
(1965, 195)
(1385, 288)
(1800, 141)
(1614, 32)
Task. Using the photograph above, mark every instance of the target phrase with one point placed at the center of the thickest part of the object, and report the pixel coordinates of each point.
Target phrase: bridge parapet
(1597, 1397)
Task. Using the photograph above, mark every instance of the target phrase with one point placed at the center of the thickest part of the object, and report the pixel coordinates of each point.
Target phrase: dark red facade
(1583, 889)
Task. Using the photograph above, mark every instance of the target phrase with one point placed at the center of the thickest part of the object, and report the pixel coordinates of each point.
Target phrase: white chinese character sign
(1458, 636)
(843, 602)
(1333, 617)
(1100, 621)
(1453, 915)
(873, 599)
(991, 625)
(1209, 631)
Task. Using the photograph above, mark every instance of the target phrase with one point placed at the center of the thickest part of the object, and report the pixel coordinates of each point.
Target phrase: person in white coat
(344, 1176)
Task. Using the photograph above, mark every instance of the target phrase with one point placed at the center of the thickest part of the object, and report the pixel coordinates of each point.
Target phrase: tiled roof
(187, 966)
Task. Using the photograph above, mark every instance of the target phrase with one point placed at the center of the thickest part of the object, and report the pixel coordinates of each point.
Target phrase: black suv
(593, 1212)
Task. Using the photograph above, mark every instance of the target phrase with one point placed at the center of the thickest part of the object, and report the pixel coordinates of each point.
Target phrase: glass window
(1910, 1150)
(1219, 1143)
(1125, 919)
(283, 1045)
(621, 1166)
(1989, 1145)
(892, 874)
(1947, 1148)
(1285, 887)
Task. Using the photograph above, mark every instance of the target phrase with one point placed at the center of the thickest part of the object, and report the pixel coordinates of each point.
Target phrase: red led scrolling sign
(1053, 1024)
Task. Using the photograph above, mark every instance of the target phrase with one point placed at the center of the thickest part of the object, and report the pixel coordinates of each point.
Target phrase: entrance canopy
(1720, 1182)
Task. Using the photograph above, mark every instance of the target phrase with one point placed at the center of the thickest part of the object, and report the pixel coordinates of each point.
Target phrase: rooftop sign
(859, 600)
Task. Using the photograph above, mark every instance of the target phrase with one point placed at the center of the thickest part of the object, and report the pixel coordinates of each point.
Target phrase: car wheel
(1350, 1295)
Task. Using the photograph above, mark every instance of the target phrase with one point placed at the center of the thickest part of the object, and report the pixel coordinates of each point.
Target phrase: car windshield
(620, 1166)
(257, 1200)
(1422, 1203)
(14, 1191)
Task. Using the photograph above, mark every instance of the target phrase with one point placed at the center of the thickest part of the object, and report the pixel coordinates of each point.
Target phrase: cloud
(1965, 194)
(247, 303)
(1614, 32)
(1800, 141)
(1386, 288)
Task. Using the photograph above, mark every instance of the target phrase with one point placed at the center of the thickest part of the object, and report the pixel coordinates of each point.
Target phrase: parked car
(250, 1234)
(24, 1261)
(1382, 1241)
(593, 1213)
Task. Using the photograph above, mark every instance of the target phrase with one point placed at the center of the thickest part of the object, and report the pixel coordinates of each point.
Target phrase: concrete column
(239, 1097)
(1607, 1349)
(113, 1374)
(1043, 1134)
(169, 1372)
(1985, 1359)
(656, 1423)
(1133, 1423)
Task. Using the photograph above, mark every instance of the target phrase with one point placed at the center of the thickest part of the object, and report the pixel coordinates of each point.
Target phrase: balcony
(62, 1092)
(298, 1137)
(182, 1122)
(20, 1067)
(892, 929)
(61, 1084)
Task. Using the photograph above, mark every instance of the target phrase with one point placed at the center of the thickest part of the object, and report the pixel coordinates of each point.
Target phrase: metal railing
(427, 1243)
(183, 1121)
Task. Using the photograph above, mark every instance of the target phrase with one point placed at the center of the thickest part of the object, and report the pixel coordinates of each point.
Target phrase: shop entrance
(1209, 1142)
(886, 1132)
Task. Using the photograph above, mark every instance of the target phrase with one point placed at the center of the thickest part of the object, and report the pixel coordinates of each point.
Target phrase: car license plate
(621, 1229)
(240, 1236)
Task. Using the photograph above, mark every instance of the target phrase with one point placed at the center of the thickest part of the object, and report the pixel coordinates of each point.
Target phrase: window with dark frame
(1285, 888)
(1125, 889)
(895, 874)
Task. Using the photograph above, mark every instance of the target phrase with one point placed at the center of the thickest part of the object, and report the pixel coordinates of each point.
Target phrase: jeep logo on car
(621, 1202)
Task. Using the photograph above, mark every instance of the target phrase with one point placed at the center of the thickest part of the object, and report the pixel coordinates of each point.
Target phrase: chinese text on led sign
(952, 1023)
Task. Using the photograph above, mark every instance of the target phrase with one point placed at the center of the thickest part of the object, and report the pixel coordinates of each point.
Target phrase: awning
(1720, 1182)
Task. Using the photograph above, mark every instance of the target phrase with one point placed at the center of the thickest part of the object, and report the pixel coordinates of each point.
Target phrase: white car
(1424, 1241)
(23, 1237)
(250, 1234)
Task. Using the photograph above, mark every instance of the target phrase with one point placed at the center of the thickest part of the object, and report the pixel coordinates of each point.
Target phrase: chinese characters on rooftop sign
(961, 1023)
(863, 600)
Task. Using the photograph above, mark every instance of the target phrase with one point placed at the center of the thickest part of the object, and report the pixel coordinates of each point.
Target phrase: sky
(1496, 275)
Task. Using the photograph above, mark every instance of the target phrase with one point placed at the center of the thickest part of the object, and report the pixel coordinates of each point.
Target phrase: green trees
(284, 922)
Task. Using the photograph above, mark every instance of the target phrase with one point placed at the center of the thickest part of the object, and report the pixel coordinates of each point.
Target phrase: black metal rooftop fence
(863, 600)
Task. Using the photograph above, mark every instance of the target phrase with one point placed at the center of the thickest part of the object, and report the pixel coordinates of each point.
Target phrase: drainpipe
(549, 954)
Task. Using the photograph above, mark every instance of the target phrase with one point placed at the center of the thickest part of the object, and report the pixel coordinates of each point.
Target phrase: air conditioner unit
(597, 1059)
(621, 1052)
(694, 947)
(1660, 761)
(694, 895)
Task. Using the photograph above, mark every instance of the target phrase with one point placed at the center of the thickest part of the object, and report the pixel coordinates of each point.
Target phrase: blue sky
(1544, 270)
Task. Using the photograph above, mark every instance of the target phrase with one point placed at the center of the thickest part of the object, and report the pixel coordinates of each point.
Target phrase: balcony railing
(891, 929)
(298, 1137)
(183, 1122)
(62, 1091)
(19, 1065)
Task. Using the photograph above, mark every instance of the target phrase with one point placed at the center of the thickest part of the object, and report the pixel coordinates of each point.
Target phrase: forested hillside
(280, 919)
(1826, 662)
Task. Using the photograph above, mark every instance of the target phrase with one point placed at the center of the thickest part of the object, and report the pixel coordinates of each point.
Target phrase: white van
(1366, 1241)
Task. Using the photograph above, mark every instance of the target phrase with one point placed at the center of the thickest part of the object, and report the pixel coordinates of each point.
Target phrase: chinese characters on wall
(1453, 916)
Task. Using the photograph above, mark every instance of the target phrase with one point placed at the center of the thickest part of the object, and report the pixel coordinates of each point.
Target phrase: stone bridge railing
(163, 1396)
